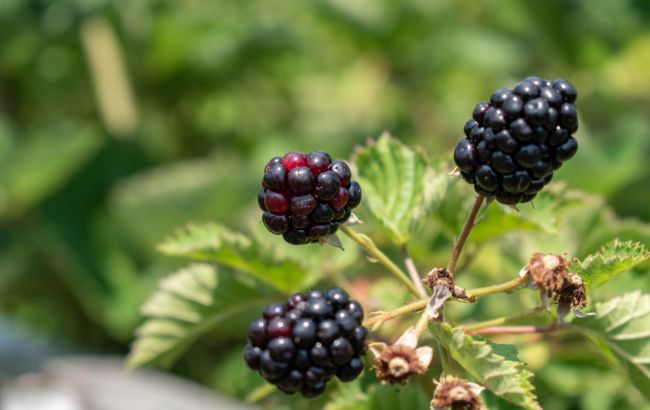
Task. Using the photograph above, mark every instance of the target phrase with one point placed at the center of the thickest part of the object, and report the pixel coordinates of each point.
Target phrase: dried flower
(457, 394)
(443, 287)
(396, 363)
(549, 274)
(572, 296)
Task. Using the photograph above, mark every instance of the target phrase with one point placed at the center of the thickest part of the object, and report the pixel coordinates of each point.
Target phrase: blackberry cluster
(515, 141)
(306, 196)
(299, 345)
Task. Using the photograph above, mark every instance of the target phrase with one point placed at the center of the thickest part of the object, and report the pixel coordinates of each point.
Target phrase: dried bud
(443, 287)
(396, 363)
(572, 296)
(457, 394)
(547, 272)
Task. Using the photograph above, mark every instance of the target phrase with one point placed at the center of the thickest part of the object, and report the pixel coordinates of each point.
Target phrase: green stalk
(369, 245)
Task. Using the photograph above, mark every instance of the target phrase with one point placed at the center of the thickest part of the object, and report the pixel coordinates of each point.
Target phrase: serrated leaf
(507, 379)
(510, 352)
(399, 185)
(623, 324)
(215, 243)
(187, 304)
(613, 258)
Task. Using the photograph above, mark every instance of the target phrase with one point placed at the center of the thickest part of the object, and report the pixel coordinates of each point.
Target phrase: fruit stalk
(460, 242)
(369, 245)
(386, 316)
(413, 272)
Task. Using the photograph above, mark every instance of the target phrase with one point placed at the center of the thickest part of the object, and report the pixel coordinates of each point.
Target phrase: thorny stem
(413, 272)
(499, 288)
(460, 242)
(382, 317)
(517, 330)
(369, 245)
(502, 320)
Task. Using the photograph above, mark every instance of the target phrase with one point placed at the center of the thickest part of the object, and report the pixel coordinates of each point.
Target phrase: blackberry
(512, 144)
(305, 197)
(300, 345)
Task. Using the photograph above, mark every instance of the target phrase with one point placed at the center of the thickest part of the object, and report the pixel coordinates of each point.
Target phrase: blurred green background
(121, 120)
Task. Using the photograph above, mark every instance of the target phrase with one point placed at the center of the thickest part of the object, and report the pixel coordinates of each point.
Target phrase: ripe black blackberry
(306, 196)
(299, 345)
(515, 141)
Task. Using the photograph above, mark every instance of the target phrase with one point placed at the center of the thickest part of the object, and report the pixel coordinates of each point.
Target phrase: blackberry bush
(306, 197)
(514, 142)
(300, 345)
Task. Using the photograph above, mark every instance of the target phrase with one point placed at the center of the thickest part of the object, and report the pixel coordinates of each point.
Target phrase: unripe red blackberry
(301, 344)
(515, 141)
(306, 196)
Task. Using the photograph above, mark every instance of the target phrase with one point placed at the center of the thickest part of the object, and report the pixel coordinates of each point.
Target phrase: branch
(519, 330)
(460, 242)
(500, 288)
(383, 316)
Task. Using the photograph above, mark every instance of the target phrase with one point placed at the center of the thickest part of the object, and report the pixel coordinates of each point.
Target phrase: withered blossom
(394, 364)
(457, 394)
(547, 272)
(557, 284)
(572, 296)
(443, 287)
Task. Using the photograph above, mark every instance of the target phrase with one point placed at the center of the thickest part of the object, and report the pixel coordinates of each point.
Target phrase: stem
(502, 287)
(445, 360)
(502, 320)
(382, 317)
(260, 393)
(413, 272)
(518, 330)
(460, 242)
(369, 245)
(422, 323)
(386, 316)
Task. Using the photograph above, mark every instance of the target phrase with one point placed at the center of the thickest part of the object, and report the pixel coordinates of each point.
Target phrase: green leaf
(407, 397)
(510, 352)
(348, 396)
(40, 164)
(215, 243)
(622, 324)
(505, 378)
(399, 185)
(187, 304)
(543, 215)
(613, 258)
